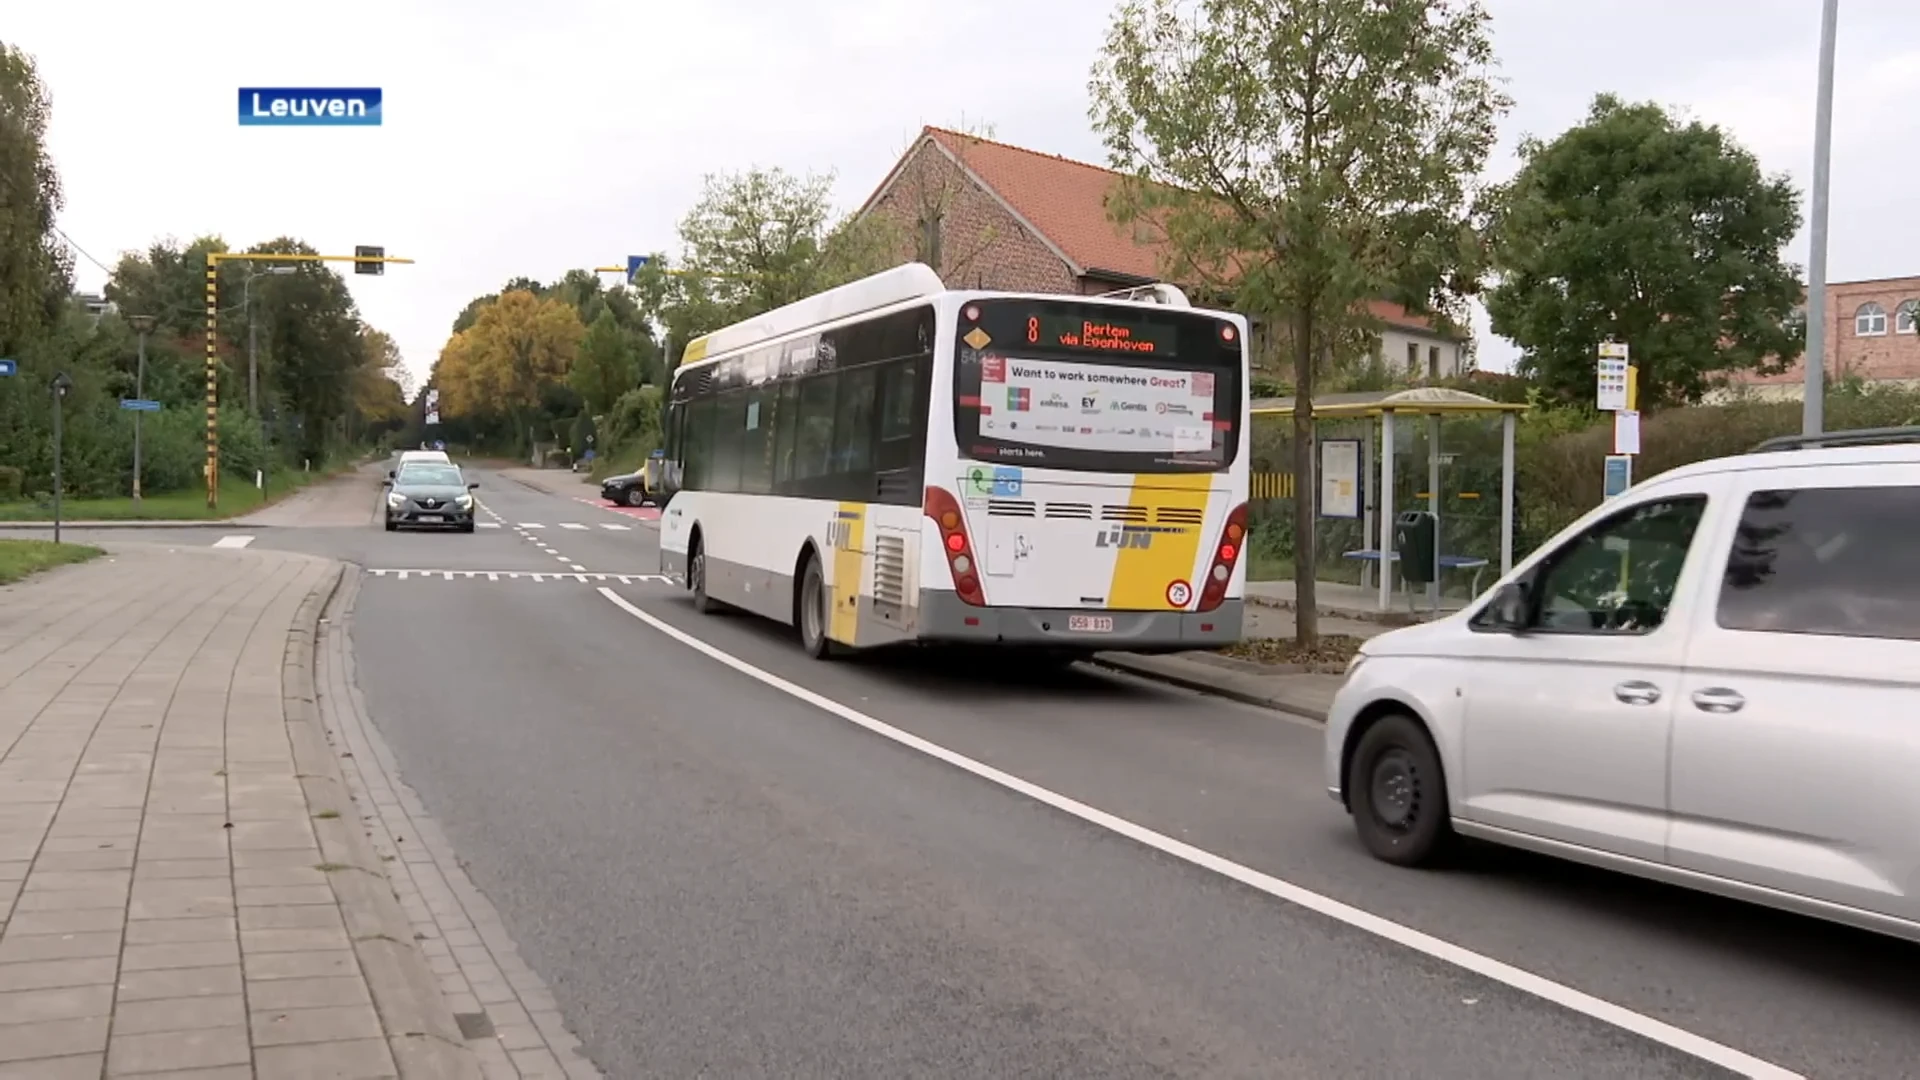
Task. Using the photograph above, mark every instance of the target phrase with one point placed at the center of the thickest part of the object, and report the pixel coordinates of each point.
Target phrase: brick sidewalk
(185, 889)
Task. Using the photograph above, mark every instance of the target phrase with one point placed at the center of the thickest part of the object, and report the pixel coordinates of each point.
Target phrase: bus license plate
(1090, 624)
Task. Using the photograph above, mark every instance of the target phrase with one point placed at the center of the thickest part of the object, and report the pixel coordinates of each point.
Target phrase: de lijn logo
(281, 107)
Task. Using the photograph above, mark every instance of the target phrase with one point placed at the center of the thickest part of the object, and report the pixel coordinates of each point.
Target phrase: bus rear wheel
(811, 611)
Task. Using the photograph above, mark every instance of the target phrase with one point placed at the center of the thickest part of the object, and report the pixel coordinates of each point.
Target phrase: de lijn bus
(893, 461)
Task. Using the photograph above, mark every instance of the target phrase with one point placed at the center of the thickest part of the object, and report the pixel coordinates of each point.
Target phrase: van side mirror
(390, 475)
(1508, 609)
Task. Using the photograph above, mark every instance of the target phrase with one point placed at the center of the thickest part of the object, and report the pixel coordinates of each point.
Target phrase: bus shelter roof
(1424, 400)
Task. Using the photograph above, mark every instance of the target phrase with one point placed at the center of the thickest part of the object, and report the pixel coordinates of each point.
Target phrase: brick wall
(982, 245)
(1891, 356)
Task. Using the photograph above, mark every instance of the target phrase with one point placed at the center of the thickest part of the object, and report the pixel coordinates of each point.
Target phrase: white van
(1712, 680)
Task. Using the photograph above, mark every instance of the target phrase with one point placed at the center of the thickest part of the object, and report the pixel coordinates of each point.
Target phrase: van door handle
(1717, 699)
(1637, 692)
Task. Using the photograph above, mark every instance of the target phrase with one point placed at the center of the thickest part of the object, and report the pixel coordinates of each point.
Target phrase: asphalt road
(717, 878)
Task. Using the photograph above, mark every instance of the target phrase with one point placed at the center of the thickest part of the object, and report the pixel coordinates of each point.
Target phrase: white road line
(613, 526)
(233, 541)
(489, 524)
(531, 525)
(571, 525)
(580, 574)
(1445, 951)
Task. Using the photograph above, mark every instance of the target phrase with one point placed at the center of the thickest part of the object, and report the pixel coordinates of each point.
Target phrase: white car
(1712, 680)
(408, 457)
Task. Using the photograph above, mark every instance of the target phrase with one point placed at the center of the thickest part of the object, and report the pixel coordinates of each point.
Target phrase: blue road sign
(9, 367)
(635, 264)
(139, 405)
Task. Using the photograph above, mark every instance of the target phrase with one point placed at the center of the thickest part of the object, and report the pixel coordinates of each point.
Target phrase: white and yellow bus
(892, 461)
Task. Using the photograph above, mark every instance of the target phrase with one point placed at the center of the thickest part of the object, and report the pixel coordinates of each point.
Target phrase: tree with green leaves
(753, 242)
(605, 367)
(36, 273)
(1636, 227)
(1303, 157)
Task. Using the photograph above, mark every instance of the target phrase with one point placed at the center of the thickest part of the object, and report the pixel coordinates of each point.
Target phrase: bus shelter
(1382, 412)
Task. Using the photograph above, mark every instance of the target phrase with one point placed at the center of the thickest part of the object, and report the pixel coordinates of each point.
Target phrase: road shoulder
(499, 1010)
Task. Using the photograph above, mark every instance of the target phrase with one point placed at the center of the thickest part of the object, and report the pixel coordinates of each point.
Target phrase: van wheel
(697, 580)
(1398, 794)
(811, 614)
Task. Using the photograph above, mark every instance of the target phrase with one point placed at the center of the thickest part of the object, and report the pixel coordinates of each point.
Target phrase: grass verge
(18, 558)
(237, 496)
(1329, 654)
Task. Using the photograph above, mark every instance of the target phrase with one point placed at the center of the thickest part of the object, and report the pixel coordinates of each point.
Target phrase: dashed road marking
(530, 525)
(538, 576)
(615, 527)
(1446, 952)
(233, 541)
(571, 525)
(489, 524)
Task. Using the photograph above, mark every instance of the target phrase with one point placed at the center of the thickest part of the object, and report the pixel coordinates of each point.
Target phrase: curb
(425, 1040)
(1146, 669)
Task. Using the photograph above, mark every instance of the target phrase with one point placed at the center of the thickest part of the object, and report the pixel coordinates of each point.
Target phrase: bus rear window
(1068, 385)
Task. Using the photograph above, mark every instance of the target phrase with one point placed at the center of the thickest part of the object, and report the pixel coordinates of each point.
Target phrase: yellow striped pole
(213, 381)
(213, 329)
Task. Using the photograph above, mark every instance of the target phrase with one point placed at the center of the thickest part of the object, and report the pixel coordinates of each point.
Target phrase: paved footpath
(186, 889)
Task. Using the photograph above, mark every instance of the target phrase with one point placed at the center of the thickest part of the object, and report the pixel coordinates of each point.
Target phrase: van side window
(1619, 576)
(1826, 561)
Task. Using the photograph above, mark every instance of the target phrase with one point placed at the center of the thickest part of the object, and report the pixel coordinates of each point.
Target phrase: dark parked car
(429, 494)
(627, 489)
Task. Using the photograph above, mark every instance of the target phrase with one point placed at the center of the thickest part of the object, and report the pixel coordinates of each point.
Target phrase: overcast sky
(527, 141)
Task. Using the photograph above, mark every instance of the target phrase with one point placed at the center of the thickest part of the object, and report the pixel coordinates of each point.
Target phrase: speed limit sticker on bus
(1179, 593)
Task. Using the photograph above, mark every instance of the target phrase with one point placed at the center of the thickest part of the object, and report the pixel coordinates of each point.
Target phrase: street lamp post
(61, 384)
(253, 338)
(142, 325)
(1813, 415)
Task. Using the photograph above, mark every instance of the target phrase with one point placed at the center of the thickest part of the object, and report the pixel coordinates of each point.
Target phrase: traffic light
(362, 251)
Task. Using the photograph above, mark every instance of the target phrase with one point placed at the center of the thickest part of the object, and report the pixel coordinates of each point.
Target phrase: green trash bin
(1416, 542)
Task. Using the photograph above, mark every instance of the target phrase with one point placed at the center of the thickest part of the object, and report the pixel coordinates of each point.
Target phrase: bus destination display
(1099, 335)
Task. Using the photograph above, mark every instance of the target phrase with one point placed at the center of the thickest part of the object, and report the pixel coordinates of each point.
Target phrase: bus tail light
(940, 505)
(1233, 541)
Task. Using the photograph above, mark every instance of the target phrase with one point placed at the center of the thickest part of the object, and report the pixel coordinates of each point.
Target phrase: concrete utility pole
(1813, 418)
(365, 260)
(142, 325)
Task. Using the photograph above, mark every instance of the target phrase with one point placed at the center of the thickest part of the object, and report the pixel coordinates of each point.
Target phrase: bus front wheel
(697, 578)
(812, 611)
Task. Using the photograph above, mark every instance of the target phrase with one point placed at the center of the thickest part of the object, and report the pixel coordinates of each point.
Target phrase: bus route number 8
(1033, 329)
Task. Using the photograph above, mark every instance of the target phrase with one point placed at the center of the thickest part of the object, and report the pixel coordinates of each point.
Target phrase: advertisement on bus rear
(1096, 407)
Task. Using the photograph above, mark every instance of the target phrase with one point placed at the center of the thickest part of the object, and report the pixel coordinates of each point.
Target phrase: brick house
(988, 215)
(1871, 335)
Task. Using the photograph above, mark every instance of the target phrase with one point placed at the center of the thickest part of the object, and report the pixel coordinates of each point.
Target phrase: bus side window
(786, 419)
(699, 420)
(671, 444)
(853, 434)
(813, 444)
(754, 472)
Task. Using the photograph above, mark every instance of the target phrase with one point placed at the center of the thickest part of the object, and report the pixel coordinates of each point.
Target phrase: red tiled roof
(1066, 201)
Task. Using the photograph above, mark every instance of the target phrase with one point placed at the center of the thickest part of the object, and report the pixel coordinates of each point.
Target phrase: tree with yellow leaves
(516, 345)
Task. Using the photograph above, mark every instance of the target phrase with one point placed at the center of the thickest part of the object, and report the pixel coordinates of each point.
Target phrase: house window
(1433, 361)
(1870, 320)
(1413, 358)
(1906, 316)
